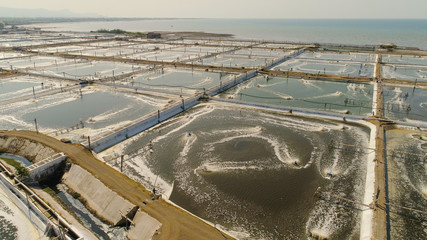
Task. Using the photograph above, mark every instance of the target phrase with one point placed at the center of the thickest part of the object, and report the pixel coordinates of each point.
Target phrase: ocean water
(408, 32)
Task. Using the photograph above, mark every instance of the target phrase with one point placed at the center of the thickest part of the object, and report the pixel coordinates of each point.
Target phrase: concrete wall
(144, 227)
(36, 215)
(43, 169)
(103, 201)
(284, 59)
(33, 151)
(231, 83)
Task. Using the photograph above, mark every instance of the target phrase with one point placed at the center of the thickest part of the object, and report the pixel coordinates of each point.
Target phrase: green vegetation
(119, 31)
(76, 195)
(22, 171)
(115, 31)
(50, 191)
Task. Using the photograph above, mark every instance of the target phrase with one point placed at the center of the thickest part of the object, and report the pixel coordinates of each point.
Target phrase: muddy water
(407, 184)
(255, 173)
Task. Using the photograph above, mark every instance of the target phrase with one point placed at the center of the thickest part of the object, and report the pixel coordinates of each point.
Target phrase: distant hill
(36, 13)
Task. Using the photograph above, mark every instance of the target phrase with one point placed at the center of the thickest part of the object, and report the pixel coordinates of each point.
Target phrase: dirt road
(176, 223)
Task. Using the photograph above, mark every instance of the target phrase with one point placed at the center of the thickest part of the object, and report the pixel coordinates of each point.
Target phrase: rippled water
(405, 104)
(407, 184)
(260, 171)
(320, 95)
(98, 109)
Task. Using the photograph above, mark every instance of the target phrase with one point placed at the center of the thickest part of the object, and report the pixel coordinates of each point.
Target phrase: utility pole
(415, 84)
(121, 163)
(88, 140)
(35, 122)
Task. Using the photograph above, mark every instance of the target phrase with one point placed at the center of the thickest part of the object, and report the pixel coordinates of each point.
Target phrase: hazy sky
(235, 8)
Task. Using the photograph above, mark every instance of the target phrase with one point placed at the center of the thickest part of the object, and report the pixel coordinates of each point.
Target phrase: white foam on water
(418, 123)
(146, 176)
(325, 223)
(189, 141)
(354, 89)
(280, 149)
(233, 166)
(96, 132)
(336, 157)
(335, 94)
(361, 139)
(279, 94)
(153, 101)
(17, 93)
(297, 123)
(245, 130)
(109, 114)
(139, 164)
(351, 87)
(204, 81)
(16, 121)
(309, 83)
(45, 102)
(235, 232)
(416, 184)
(240, 87)
(282, 95)
(185, 122)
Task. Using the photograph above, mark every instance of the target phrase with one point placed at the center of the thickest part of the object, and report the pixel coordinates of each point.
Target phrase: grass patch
(50, 191)
(22, 171)
(76, 195)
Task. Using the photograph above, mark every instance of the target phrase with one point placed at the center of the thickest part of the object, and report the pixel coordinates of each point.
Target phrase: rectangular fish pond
(350, 98)
(178, 82)
(405, 60)
(31, 62)
(253, 173)
(13, 87)
(405, 104)
(90, 70)
(407, 183)
(333, 67)
(229, 60)
(412, 73)
(342, 57)
(98, 109)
